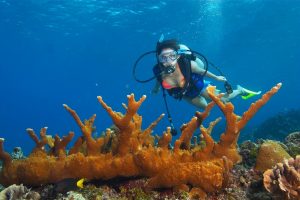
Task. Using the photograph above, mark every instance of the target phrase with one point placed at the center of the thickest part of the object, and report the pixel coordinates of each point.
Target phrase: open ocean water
(70, 51)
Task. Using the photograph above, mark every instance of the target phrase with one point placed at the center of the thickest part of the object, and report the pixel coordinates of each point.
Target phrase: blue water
(71, 51)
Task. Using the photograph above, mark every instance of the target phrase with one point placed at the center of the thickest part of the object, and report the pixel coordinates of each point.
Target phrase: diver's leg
(204, 93)
(226, 97)
(198, 101)
(245, 93)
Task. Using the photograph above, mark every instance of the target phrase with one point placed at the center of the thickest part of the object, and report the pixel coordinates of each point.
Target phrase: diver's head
(168, 57)
(167, 52)
(172, 44)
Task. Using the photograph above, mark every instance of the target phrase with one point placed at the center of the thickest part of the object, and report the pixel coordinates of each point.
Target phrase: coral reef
(279, 126)
(249, 151)
(292, 141)
(284, 179)
(270, 153)
(132, 151)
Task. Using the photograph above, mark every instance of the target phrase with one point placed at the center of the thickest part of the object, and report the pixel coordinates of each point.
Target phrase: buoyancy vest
(193, 82)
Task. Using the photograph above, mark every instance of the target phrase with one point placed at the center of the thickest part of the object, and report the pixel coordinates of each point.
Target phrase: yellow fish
(50, 140)
(80, 183)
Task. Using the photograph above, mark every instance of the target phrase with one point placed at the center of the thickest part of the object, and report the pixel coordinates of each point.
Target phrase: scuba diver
(182, 74)
(181, 71)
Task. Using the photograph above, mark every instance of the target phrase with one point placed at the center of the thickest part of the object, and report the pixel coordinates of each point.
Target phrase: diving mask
(168, 56)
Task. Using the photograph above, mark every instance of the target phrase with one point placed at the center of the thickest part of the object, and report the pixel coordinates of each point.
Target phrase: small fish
(80, 183)
(69, 184)
(50, 140)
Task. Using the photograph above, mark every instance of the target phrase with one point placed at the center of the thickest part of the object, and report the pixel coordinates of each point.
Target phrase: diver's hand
(221, 78)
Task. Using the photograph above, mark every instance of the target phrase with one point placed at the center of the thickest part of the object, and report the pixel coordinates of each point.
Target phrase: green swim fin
(247, 93)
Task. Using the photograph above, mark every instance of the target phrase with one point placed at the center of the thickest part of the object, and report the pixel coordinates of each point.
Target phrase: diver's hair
(172, 43)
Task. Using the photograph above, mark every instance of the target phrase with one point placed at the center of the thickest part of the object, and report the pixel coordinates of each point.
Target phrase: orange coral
(284, 178)
(133, 151)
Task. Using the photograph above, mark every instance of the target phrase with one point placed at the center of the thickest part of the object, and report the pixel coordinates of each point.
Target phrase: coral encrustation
(129, 151)
(284, 179)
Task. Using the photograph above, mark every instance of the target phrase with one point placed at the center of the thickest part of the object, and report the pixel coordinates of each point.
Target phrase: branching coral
(133, 152)
(284, 178)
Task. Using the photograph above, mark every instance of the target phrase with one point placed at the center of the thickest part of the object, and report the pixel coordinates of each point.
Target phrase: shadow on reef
(279, 126)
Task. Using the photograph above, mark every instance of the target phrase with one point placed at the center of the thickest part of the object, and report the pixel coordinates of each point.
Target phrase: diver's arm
(198, 68)
(156, 87)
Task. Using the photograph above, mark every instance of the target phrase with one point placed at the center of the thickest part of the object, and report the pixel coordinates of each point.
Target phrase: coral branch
(125, 123)
(149, 130)
(166, 139)
(227, 167)
(93, 146)
(212, 125)
(228, 140)
(211, 92)
(202, 116)
(231, 132)
(189, 129)
(107, 136)
(187, 133)
(257, 105)
(40, 144)
(77, 146)
(60, 145)
(87, 127)
(4, 156)
(209, 142)
(122, 122)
